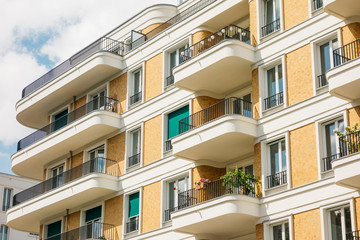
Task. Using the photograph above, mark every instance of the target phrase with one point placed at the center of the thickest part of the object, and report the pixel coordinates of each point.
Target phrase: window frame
(126, 212)
(4, 230)
(130, 83)
(319, 66)
(283, 230)
(45, 225)
(268, 231)
(7, 193)
(277, 85)
(128, 149)
(261, 21)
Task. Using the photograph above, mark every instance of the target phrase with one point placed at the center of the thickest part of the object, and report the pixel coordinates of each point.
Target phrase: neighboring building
(10, 185)
(180, 93)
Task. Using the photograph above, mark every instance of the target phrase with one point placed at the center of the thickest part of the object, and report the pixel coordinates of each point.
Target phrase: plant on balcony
(202, 183)
(102, 237)
(350, 139)
(239, 180)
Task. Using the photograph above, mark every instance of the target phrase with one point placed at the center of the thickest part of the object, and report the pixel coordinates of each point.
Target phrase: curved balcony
(89, 181)
(216, 210)
(92, 65)
(218, 64)
(74, 130)
(342, 8)
(216, 132)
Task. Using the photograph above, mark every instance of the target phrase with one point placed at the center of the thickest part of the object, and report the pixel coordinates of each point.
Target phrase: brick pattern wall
(152, 140)
(118, 91)
(357, 212)
(198, 36)
(74, 221)
(76, 160)
(153, 76)
(113, 213)
(201, 102)
(253, 22)
(353, 115)
(260, 231)
(150, 28)
(307, 225)
(208, 172)
(255, 94)
(257, 166)
(295, 12)
(151, 203)
(116, 150)
(350, 33)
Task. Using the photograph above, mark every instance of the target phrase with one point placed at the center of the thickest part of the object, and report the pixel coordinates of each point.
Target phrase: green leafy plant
(239, 180)
(350, 139)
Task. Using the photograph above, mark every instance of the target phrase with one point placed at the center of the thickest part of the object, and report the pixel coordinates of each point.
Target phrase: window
(274, 87)
(247, 105)
(60, 120)
(57, 178)
(6, 199)
(97, 160)
(325, 61)
(339, 222)
(173, 125)
(54, 230)
(173, 188)
(93, 223)
(330, 142)
(280, 231)
(174, 60)
(99, 100)
(136, 85)
(132, 223)
(4, 232)
(316, 4)
(135, 138)
(277, 169)
(271, 17)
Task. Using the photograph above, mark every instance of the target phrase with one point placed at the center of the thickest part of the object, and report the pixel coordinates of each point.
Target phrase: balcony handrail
(227, 106)
(349, 144)
(276, 179)
(100, 103)
(355, 235)
(274, 100)
(346, 53)
(327, 162)
(228, 32)
(93, 230)
(317, 4)
(96, 165)
(270, 27)
(103, 44)
(322, 81)
(132, 224)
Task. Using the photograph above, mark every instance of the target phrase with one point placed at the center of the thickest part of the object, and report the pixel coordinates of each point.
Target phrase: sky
(37, 35)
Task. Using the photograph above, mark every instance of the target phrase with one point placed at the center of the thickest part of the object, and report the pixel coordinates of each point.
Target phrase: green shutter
(92, 214)
(134, 205)
(54, 229)
(173, 121)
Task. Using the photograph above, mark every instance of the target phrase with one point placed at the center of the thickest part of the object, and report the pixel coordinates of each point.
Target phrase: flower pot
(200, 186)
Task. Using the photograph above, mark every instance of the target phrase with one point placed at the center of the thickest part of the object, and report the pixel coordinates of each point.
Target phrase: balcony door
(97, 159)
(98, 100)
(92, 220)
(54, 230)
(60, 120)
(57, 176)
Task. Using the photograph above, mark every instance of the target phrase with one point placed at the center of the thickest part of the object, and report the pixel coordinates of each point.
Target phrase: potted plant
(202, 183)
(240, 181)
(349, 140)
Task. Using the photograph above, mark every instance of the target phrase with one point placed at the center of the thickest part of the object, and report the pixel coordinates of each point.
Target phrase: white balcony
(342, 8)
(346, 171)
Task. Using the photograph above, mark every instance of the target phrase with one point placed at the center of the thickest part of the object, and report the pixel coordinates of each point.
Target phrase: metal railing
(355, 235)
(210, 191)
(169, 81)
(168, 146)
(225, 107)
(133, 160)
(347, 53)
(270, 28)
(135, 98)
(322, 80)
(169, 23)
(349, 143)
(132, 225)
(96, 165)
(326, 162)
(101, 45)
(94, 230)
(228, 32)
(317, 4)
(101, 103)
(274, 100)
(276, 179)
(167, 213)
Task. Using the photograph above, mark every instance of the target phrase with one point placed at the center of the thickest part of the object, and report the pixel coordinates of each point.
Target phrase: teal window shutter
(92, 214)
(173, 121)
(134, 205)
(54, 229)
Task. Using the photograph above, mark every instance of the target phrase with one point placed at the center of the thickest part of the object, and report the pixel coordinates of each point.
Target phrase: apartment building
(10, 185)
(135, 131)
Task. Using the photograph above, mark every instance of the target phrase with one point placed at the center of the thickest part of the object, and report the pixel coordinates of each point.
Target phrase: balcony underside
(220, 140)
(342, 8)
(344, 80)
(224, 217)
(33, 110)
(346, 171)
(30, 161)
(27, 216)
(218, 70)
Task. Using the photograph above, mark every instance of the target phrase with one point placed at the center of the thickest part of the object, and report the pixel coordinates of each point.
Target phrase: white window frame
(4, 196)
(86, 151)
(268, 231)
(45, 225)
(59, 110)
(97, 90)
(83, 212)
(126, 212)
(128, 149)
(312, 11)
(283, 232)
(130, 83)
(53, 165)
(3, 232)
(276, 67)
(261, 21)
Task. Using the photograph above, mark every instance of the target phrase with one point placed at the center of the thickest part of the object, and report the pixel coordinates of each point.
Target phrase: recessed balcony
(344, 78)
(217, 211)
(87, 182)
(218, 64)
(74, 130)
(221, 132)
(342, 8)
(346, 167)
(92, 65)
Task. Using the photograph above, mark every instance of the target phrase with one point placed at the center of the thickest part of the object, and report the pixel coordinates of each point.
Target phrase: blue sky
(39, 34)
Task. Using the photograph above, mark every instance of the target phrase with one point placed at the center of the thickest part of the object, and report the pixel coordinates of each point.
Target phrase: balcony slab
(346, 171)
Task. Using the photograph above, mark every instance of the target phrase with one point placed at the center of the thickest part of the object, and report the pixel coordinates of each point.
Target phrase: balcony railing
(229, 32)
(167, 213)
(169, 81)
(168, 146)
(133, 160)
(101, 45)
(347, 53)
(322, 80)
(349, 143)
(317, 4)
(270, 28)
(274, 100)
(210, 191)
(101, 103)
(94, 230)
(353, 235)
(169, 23)
(132, 225)
(276, 179)
(326, 162)
(96, 165)
(135, 98)
(227, 106)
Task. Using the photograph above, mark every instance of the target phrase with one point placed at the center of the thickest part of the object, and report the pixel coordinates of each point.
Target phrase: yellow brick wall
(151, 203)
(79, 102)
(113, 213)
(260, 231)
(41, 231)
(198, 36)
(152, 140)
(150, 27)
(255, 93)
(76, 161)
(307, 225)
(299, 79)
(253, 22)
(153, 76)
(257, 166)
(295, 12)
(357, 212)
(350, 33)
(74, 221)
(303, 149)
(353, 116)
(115, 150)
(201, 102)
(118, 91)
(208, 172)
